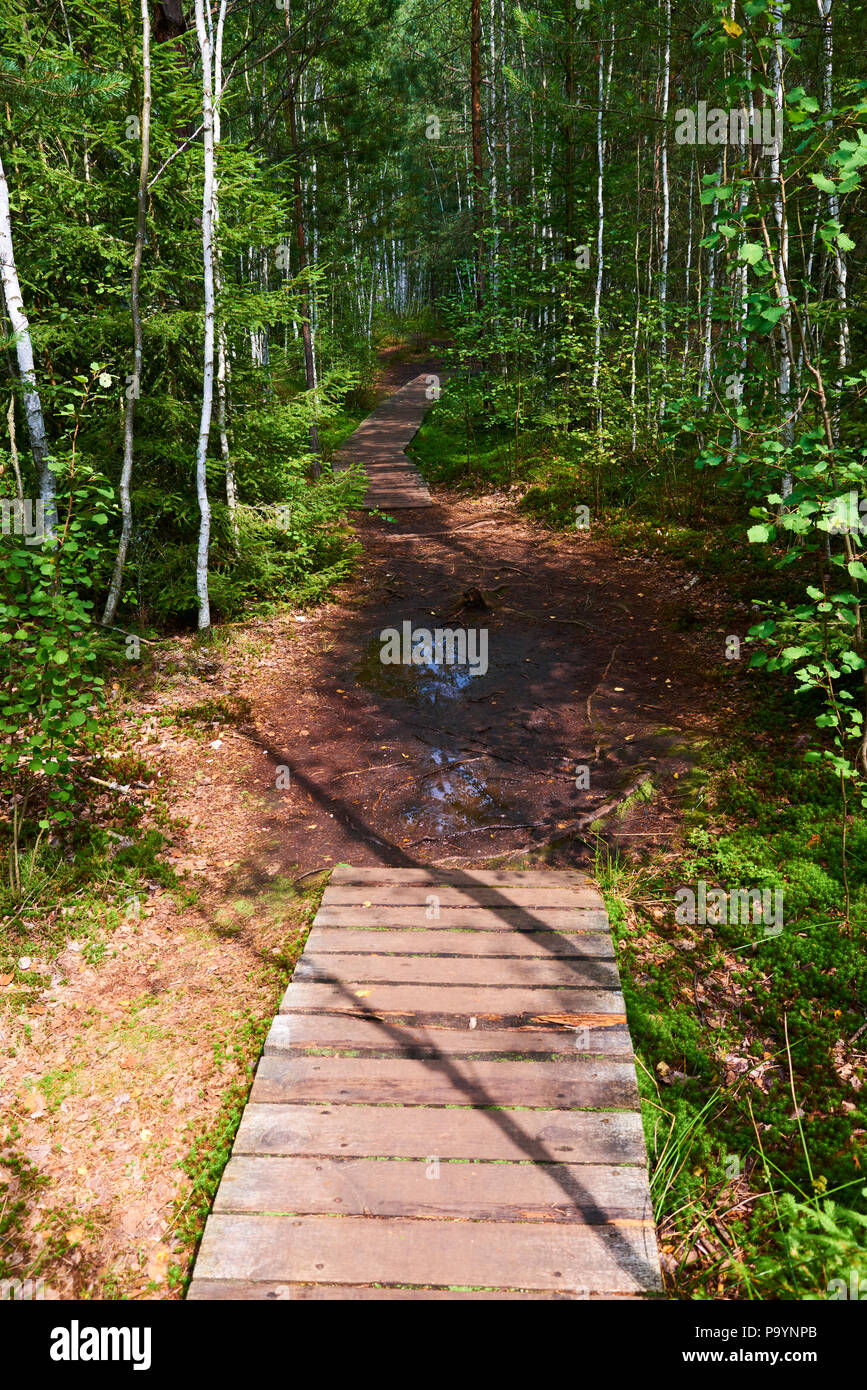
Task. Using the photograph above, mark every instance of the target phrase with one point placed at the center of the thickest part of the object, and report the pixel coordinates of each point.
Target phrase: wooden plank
(533, 878)
(432, 1188)
(240, 1290)
(370, 1131)
(396, 501)
(573, 1006)
(358, 1250)
(296, 1032)
(417, 895)
(578, 1083)
(529, 972)
(566, 920)
(324, 940)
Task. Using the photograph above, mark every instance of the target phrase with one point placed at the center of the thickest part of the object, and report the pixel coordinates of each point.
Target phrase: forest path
(581, 719)
(442, 1111)
(378, 446)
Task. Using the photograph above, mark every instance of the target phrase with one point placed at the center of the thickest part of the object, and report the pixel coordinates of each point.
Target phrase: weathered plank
(528, 878)
(511, 919)
(299, 1032)
(433, 1188)
(371, 1131)
(324, 940)
(234, 1290)
(531, 899)
(530, 972)
(579, 1083)
(468, 1002)
(357, 1250)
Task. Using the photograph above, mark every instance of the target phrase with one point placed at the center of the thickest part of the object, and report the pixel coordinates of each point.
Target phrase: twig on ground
(323, 868)
(599, 683)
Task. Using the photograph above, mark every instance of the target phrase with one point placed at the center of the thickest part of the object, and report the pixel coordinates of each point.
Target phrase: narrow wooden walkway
(446, 1105)
(378, 446)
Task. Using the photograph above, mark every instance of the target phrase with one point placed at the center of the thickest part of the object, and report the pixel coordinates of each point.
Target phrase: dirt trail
(590, 692)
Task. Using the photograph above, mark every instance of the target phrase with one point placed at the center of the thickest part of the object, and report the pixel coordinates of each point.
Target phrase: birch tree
(26, 364)
(203, 36)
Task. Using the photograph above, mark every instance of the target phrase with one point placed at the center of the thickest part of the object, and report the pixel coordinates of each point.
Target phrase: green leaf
(824, 185)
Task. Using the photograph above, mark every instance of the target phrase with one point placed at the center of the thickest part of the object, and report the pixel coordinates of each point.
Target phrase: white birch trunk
(223, 372)
(840, 269)
(205, 49)
(26, 366)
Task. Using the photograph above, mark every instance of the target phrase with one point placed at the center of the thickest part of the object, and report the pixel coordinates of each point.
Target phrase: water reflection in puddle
(456, 796)
(424, 683)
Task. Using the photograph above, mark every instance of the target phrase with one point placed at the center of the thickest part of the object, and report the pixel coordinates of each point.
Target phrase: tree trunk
(304, 304)
(205, 49)
(476, 121)
(26, 367)
(133, 389)
(840, 269)
(600, 226)
(782, 223)
(666, 206)
(223, 374)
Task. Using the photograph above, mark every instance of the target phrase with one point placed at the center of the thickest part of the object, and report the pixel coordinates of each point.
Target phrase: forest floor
(286, 747)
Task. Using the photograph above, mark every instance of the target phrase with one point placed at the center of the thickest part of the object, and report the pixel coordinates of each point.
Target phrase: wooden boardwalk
(379, 443)
(446, 1105)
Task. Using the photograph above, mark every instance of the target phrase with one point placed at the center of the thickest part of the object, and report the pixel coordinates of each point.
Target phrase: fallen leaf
(75, 1235)
(158, 1262)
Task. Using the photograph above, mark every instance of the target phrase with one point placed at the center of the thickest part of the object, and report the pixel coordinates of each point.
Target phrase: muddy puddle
(455, 793)
(423, 682)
